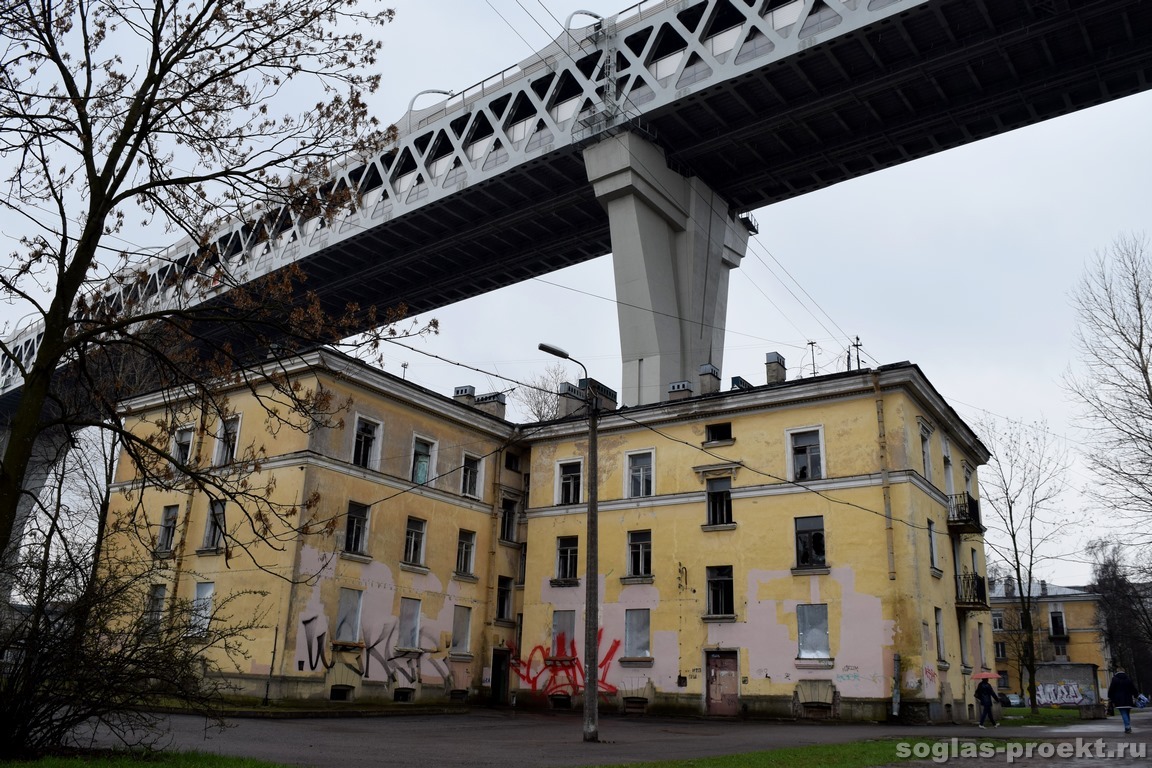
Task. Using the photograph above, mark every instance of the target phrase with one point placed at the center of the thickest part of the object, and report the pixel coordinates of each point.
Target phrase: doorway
(723, 694)
(501, 661)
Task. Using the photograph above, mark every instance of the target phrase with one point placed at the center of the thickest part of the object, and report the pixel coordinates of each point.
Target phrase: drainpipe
(895, 685)
(486, 644)
(885, 481)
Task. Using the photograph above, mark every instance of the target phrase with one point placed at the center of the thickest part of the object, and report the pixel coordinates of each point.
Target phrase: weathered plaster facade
(776, 551)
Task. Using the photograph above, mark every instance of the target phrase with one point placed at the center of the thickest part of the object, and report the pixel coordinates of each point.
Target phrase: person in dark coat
(986, 695)
(1122, 695)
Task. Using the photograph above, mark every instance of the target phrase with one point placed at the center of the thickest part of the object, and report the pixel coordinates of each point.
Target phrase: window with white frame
(365, 444)
(1056, 622)
(721, 599)
(932, 544)
(810, 542)
(997, 620)
(166, 537)
(570, 481)
(214, 525)
(154, 610)
(1002, 681)
(465, 551)
(227, 438)
(1000, 649)
(639, 553)
(408, 636)
(807, 454)
(946, 456)
(461, 629)
(567, 556)
(504, 597)
(980, 643)
(640, 474)
(563, 633)
(718, 433)
(421, 461)
(201, 615)
(637, 633)
(719, 497)
(414, 542)
(926, 451)
(939, 634)
(470, 477)
(356, 529)
(182, 445)
(348, 616)
(812, 631)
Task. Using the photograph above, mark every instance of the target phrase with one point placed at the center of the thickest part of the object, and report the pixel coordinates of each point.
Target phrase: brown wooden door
(723, 684)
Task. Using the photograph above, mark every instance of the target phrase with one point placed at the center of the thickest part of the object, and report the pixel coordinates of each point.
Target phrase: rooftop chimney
(680, 390)
(572, 397)
(494, 403)
(1043, 588)
(709, 379)
(774, 364)
(465, 395)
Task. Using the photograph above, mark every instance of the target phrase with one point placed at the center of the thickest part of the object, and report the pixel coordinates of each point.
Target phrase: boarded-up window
(348, 616)
(636, 633)
(812, 622)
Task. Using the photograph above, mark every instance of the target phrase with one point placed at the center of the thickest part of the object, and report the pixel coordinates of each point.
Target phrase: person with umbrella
(985, 694)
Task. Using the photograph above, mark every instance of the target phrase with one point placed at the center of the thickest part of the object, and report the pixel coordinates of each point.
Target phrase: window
(214, 526)
(461, 629)
(226, 439)
(201, 608)
(639, 474)
(570, 481)
(806, 460)
(812, 631)
(1002, 682)
(356, 529)
(348, 616)
(508, 520)
(719, 491)
(932, 545)
(421, 461)
(154, 610)
(567, 555)
(720, 596)
(636, 633)
(980, 644)
(563, 633)
(997, 620)
(1000, 649)
(504, 598)
(715, 433)
(364, 445)
(1056, 621)
(409, 633)
(639, 553)
(946, 455)
(465, 547)
(522, 568)
(166, 538)
(926, 453)
(182, 445)
(414, 542)
(939, 634)
(810, 542)
(470, 477)
(1060, 650)
(512, 461)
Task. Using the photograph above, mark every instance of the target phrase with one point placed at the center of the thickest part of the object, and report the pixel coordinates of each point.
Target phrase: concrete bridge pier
(674, 241)
(49, 450)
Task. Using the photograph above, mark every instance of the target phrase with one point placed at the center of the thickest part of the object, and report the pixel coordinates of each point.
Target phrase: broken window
(364, 449)
(356, 528)
(470, 477)
(806, 462)
(721, 601)
(810, 542)
(465, 546)
(639, 553)
(421, 461)
(719, 501)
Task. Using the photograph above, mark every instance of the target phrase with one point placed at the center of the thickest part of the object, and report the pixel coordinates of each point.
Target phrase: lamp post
(592, 566)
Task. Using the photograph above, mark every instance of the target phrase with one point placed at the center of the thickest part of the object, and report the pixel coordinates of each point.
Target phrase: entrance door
(500, 662)
(723, 684)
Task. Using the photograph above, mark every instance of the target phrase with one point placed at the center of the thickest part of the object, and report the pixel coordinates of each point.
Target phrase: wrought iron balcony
(964, 514)
(971, 592)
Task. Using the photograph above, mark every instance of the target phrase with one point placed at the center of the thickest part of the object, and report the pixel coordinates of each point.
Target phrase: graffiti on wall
(548, 673)
(373, 660)
(1048, 694)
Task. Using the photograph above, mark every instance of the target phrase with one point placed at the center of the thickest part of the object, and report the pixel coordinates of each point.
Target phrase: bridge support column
(49, 450)
(673, 244)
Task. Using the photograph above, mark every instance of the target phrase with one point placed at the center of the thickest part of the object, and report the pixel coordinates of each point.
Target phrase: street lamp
(592, 566)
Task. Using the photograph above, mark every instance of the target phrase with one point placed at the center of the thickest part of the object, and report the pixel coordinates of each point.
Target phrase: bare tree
(135, 121)
(1124, 612)
(1114, 387)
(1020, 486)
(540, 400)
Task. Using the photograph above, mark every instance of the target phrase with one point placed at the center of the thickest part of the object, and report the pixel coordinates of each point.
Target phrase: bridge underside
(946, 73)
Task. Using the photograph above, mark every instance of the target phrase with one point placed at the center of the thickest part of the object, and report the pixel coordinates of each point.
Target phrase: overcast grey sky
(961, 263)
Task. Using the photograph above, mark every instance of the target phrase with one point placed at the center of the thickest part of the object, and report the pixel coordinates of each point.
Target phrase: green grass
(1046, 716)
(857, 754)
(151, 759)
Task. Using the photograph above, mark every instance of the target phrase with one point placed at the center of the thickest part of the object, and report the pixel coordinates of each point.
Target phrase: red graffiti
(563, 672)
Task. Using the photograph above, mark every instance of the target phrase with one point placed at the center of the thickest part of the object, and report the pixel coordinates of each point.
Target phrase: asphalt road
(529, 740)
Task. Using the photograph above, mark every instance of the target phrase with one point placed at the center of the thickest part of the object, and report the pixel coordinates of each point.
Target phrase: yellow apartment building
(1066, 633)
(807, 548)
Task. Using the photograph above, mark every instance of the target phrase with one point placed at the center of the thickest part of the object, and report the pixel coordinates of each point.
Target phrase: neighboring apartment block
(807, 548)
(1066, 632)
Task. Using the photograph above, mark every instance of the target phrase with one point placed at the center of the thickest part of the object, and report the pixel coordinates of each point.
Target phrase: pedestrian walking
(986, 695)
(1122, 696)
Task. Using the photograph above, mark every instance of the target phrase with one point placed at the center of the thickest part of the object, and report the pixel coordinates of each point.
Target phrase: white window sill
(414, 568)
(815, 663)
(637, 661)
(937, 573)
(356, 557)
(719, 527)
(648, 579)
(470, 578)
(718, 618)
(819, 570)
(564, 582)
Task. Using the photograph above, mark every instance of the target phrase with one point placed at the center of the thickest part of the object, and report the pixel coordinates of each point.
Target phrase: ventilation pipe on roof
(709, 379)
(774, 365)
